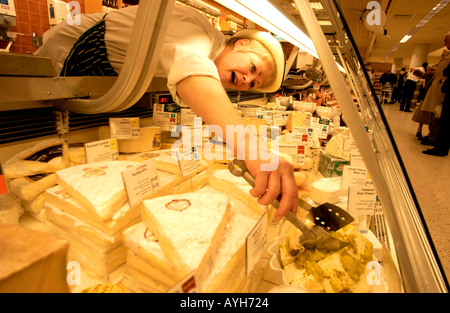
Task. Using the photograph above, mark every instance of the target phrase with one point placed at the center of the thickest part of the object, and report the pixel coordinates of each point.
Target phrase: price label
(255, 242)
(140, 181)
(352, 175)
(189, 161)
(124, 128)
(362, 200)
(102, 150)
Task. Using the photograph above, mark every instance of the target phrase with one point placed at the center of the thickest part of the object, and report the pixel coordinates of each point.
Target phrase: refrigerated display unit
(410, 263)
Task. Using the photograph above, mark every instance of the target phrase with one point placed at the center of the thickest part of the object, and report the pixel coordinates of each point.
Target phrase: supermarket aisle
(430, 178)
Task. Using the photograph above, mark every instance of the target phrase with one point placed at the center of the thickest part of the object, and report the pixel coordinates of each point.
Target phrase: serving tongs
(326, 216)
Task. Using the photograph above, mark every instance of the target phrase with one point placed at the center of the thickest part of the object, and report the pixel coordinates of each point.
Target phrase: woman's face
(241, 70)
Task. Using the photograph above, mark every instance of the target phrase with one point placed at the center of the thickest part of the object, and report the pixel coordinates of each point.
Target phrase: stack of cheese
(328, 271)
(89, 208)
(32, 171)
(201, 232)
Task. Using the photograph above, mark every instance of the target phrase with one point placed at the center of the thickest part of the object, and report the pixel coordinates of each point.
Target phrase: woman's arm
(206, 96)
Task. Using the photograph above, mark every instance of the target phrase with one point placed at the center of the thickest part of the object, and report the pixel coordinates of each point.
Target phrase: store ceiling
(401, 17)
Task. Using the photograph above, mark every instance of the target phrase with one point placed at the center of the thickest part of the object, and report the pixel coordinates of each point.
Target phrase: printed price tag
(124, 127)
(356, 159)
(140, 181)
(102, 150)
(255, 242)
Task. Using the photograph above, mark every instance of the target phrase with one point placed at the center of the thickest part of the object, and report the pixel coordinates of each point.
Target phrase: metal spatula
(315, 237)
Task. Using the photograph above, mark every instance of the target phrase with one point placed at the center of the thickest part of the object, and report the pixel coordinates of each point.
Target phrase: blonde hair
(254, 46)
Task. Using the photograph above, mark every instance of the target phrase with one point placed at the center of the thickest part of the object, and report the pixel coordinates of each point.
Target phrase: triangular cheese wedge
(187, 225)
(97, 186)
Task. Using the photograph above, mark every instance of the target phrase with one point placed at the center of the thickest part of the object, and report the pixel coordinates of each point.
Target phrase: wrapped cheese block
(149, 270)
(149, 139)
(146, 261)
(187, 225)
(97, 186)
(47, 156)
(60, 203)
(30, 187)
(31, 261)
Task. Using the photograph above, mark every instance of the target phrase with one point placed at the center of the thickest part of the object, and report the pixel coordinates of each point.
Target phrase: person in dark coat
(442, 142)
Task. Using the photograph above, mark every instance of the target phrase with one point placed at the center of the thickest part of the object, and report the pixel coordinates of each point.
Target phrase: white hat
(274, 47)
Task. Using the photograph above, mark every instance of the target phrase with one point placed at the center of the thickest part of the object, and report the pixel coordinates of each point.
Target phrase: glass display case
(407, 242)
(409, 260)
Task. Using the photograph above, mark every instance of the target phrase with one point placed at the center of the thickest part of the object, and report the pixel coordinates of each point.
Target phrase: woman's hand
(273, 174)
(272, 178)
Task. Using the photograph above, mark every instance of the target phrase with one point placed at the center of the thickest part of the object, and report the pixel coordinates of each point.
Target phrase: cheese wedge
(97, 186)
(187, 225)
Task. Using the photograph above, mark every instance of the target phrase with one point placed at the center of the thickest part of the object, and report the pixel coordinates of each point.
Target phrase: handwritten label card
(102, 150)
(140, 181)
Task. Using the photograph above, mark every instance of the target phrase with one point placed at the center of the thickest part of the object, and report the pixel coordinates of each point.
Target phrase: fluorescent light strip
(405, 39)
(268, 17)
(438, 7)
(316, 5)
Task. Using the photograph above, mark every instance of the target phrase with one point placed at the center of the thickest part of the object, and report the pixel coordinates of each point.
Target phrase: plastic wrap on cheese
(97, 186)
(47, 156)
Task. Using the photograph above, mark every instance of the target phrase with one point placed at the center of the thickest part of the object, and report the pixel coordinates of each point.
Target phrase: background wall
(32, 16)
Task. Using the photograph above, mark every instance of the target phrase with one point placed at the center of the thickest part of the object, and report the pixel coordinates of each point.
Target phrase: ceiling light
(316, 5)
(267, 16)
(324, 23)
(405, 39)
(419, 25)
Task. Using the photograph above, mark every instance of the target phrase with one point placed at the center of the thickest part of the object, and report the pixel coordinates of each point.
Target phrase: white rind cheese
(188, 225)
(325, 191)
(97, 186)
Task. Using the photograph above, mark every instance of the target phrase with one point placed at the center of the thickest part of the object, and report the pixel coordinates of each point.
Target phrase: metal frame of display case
(415, 256)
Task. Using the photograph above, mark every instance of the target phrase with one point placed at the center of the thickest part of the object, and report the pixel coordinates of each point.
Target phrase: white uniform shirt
(191, 43)
(413, 77)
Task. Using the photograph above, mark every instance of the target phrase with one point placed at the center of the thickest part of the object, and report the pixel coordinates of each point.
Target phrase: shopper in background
(435, 97)
(414, 76)
(199, 62)
(398, 87)
(420, 116)
(387, 80)
(442, 142)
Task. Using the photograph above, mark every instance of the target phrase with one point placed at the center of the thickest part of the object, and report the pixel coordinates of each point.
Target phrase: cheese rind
(97, 186)
(187, 236)
(325, 191)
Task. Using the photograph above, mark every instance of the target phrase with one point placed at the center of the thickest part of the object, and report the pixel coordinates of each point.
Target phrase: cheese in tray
(98, 186)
